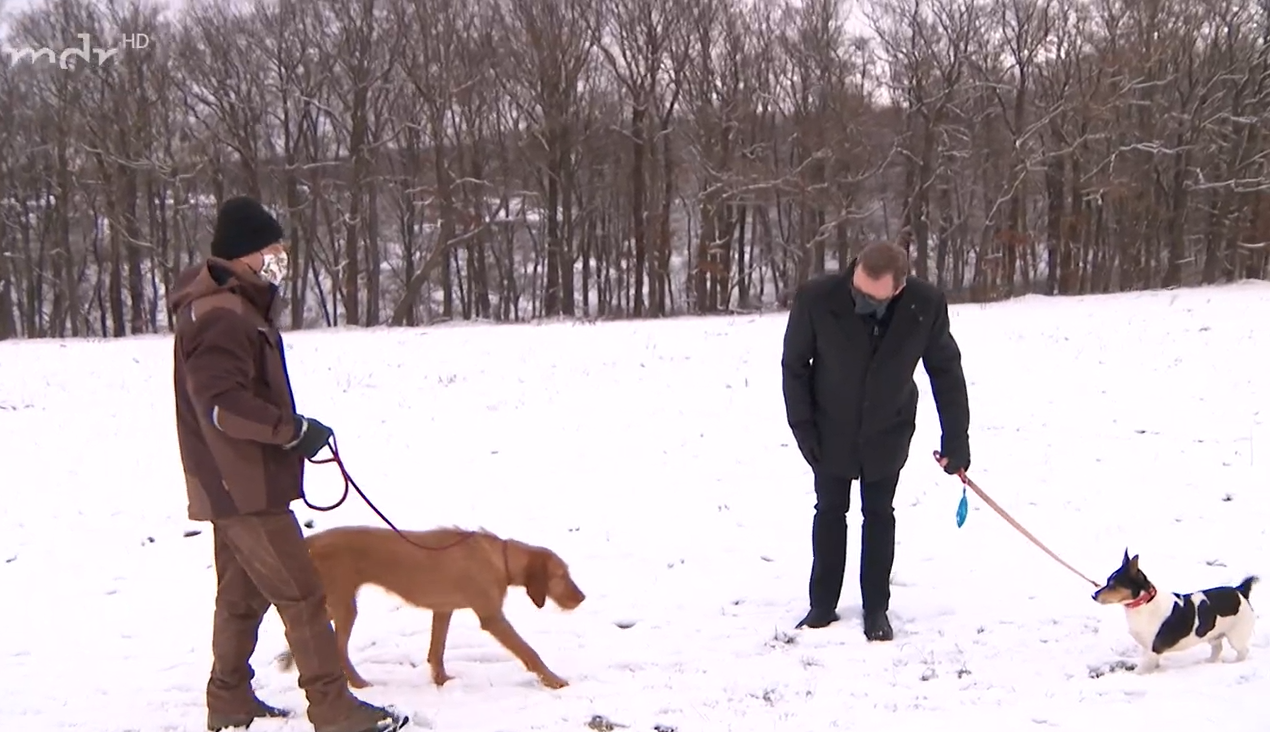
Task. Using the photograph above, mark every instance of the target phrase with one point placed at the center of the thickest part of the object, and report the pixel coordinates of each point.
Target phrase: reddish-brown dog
(459, 570)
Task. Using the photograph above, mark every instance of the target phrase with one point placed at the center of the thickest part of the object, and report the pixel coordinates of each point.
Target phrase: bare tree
(549, 48)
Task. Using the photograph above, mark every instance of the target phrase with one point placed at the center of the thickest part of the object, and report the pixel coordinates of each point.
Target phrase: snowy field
(655, 459)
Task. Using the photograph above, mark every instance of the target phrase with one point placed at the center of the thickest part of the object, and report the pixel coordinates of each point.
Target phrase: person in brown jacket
(243, 447)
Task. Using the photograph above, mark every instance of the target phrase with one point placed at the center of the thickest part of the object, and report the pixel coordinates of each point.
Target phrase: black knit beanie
(243, 227)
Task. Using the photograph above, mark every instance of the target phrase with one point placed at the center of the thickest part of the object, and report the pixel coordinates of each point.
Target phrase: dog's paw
(358, 682)
(551, 681)
(440, 678)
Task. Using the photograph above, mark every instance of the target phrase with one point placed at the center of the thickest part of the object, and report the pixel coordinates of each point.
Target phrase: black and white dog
(1168, 622)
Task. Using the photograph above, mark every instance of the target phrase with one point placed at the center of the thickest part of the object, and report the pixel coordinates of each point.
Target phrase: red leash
(350, 483)
(1010, 520)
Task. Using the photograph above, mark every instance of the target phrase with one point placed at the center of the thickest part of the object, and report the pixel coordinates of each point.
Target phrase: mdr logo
(88, 50)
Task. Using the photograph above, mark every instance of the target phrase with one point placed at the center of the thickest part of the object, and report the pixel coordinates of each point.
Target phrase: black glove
(958, 455)
(809, 446)
(311, 436)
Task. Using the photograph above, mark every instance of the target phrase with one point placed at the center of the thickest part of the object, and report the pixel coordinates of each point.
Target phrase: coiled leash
(963, 508)
(349, 483)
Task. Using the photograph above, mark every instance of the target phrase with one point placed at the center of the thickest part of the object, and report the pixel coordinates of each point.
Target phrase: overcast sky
(9, 8)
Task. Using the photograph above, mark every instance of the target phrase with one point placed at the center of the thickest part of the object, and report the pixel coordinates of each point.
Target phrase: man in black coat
(851, 349)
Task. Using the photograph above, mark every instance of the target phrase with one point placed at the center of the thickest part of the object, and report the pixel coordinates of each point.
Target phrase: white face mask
(273, 268)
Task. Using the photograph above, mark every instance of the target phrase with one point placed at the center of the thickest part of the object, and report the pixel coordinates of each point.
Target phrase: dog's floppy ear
(536, 578)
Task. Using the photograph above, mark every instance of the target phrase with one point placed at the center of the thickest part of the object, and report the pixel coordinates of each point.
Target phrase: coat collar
(234, 276)
(904, 316)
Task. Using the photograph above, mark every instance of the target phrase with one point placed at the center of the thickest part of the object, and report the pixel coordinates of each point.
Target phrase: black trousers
(829, 541)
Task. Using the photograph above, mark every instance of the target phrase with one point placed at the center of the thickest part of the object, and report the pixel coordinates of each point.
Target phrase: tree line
(518, 159)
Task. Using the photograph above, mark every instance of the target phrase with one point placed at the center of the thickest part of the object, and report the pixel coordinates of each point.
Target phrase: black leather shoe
(818, 617)
(877, 627)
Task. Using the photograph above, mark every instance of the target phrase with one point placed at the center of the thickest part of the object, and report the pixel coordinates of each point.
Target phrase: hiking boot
(819, 617)
(217, 722)
(877, 627)
(368, 718)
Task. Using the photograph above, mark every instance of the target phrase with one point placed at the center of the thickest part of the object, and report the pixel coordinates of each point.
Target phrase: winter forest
(507, 160)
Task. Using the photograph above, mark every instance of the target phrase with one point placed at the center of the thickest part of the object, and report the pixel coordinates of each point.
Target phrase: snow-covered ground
(655, 459)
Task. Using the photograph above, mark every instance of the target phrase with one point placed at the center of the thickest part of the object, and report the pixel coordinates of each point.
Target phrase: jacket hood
(192, 283)
(214, 276)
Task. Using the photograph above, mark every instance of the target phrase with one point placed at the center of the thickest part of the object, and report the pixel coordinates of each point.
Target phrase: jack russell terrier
(1168, 622)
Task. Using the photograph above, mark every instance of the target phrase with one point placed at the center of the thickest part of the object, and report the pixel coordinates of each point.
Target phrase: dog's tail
(285, 660)
(1245, 587)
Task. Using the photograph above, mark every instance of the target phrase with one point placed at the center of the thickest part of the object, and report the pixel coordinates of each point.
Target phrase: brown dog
(458, 569)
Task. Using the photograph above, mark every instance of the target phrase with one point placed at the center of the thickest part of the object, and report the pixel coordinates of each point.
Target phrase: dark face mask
(867, 304)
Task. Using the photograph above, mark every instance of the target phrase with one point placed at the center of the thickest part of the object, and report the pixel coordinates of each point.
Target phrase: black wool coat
(850, 395)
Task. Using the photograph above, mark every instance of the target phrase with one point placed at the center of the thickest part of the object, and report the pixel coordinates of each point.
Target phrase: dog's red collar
(1142, 599)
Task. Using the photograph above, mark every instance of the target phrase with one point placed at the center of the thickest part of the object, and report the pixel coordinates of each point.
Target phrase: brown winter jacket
(235, 413)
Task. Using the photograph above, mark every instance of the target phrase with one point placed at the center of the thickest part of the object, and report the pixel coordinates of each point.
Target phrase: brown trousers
(262, 560)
